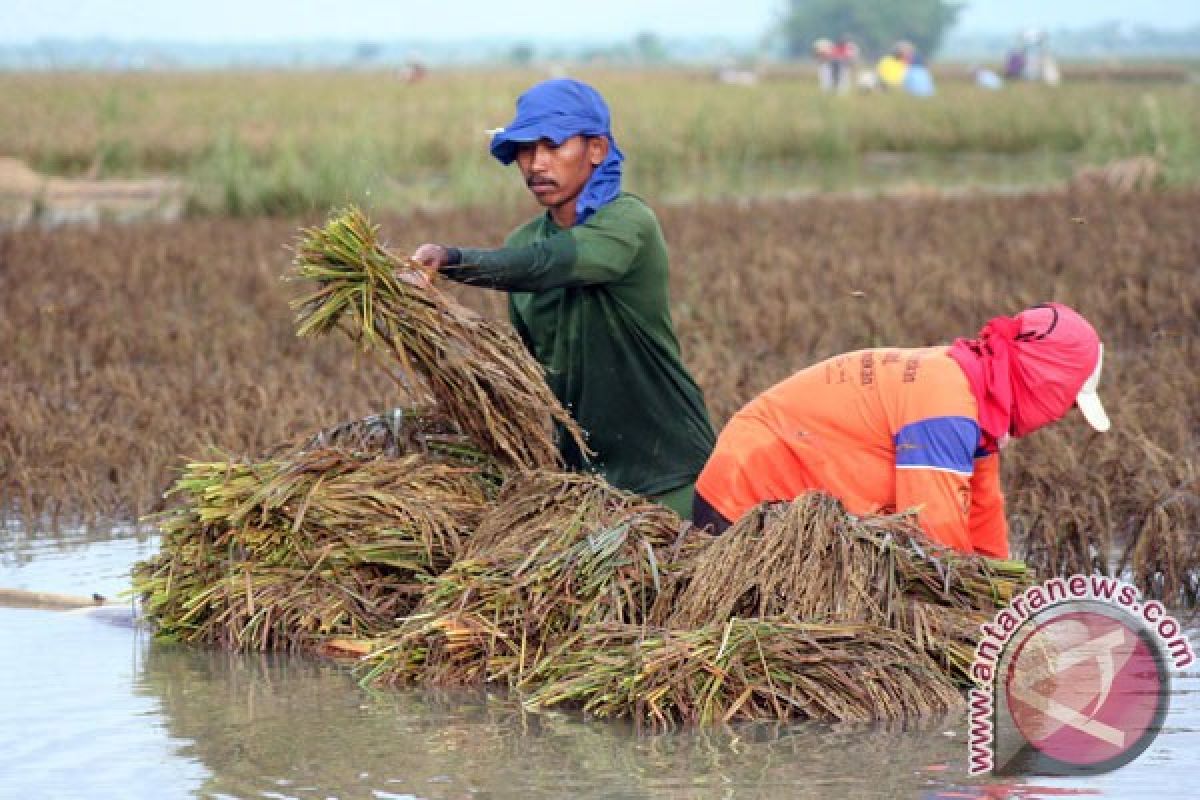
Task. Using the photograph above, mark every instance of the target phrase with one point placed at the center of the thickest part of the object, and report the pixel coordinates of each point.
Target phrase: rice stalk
(247, 606)
(480, 375)
(741, 670)
(295, 526)
(810, 560)
(947, 635)
(558, 551)
(399, 432)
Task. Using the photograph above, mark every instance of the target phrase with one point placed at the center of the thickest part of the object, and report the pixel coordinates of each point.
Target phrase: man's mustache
(540, 181)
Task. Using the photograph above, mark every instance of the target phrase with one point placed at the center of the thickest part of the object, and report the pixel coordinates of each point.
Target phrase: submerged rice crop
(812, 560)
(589, 612)
(555, 552)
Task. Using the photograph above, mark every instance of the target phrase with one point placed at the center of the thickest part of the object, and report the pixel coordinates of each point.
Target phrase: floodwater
(92, 708)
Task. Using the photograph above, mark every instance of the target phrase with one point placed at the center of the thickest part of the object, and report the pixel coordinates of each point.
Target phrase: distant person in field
(823, 54)
(587, 283)
(910, 428)
(842, 57)
(892, 68)
(918, 80)
(987, 79)
(1014, 64)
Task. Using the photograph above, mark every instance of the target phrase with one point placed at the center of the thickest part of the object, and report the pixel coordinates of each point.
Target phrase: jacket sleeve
(989, 527)
(934, 470)
(602, 250)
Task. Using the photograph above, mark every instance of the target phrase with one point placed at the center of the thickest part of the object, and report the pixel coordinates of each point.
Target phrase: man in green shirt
(587, 285)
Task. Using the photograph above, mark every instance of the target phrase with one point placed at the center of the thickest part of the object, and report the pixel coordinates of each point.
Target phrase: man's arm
(593, 253)
(989, 527)
(934, 467)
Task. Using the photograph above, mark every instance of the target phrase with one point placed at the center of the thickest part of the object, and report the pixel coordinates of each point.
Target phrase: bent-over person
(892, 429)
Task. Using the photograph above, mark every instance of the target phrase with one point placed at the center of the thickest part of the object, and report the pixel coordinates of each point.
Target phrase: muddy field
(125, 349)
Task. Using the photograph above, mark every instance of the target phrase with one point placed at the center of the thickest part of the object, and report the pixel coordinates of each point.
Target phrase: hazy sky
(537, 20)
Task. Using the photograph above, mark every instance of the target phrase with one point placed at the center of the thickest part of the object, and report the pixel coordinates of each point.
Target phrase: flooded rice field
(192, 315)
(174, 341)
(91, 707)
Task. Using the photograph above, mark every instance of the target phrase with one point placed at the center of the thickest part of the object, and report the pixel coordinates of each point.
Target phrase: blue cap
(556, 110)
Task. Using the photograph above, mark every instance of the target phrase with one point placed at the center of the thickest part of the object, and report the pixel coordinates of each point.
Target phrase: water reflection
(23, 545)
(89, 709)
(273, 726)
(70, 723)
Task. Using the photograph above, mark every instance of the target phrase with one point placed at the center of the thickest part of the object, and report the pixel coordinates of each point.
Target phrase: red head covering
(1027, 370)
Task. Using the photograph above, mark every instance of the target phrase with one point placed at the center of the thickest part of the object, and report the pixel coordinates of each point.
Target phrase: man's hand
(431, 256)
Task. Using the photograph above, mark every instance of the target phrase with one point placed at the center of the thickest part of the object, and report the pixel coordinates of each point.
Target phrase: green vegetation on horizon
(286, 142)
(874, 26)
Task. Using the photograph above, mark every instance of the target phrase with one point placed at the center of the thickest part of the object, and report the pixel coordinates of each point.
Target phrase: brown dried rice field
(125, 349)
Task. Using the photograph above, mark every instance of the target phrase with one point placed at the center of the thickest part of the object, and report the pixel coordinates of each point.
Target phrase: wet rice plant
(285, 553)
(476, 373)
(743, 669)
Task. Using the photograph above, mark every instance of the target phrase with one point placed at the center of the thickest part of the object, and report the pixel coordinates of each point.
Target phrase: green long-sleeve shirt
(590, 302)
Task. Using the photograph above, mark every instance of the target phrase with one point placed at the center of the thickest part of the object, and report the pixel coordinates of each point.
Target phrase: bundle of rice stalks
(480, 375)
(296, 539)
(409, 513)
(246, 606)
(741, 670)
(947, 635)
(810, 560)
(558, 551)
(548, 506)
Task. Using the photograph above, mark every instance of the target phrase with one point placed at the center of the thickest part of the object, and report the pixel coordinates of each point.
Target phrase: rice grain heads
(810, 559)
(743, 669)
(556, 552)
(477, 373)
(276, 554)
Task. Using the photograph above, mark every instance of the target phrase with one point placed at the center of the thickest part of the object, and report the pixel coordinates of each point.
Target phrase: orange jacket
(884, 429)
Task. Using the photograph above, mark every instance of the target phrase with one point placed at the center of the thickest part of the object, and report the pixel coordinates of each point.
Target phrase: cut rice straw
(811, 560)
(558, 551)
(272, 555)
(742, 670)
(478, 374)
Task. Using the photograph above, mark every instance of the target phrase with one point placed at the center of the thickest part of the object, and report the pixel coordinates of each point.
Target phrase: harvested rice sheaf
(811, 560)
(553, 561)
(407, 512)
(245, 606)
(558, 551)
(947, 635)
(323, 543)
(742, 669)
(477, 373)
